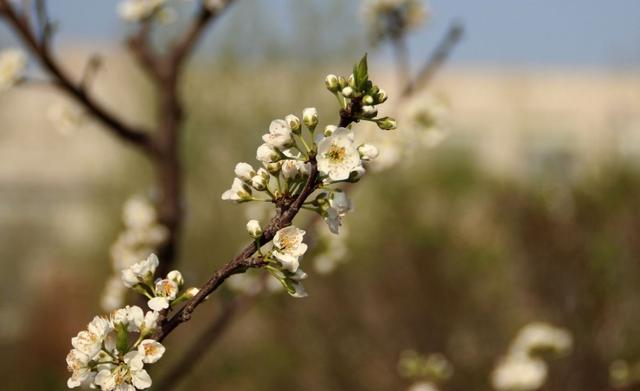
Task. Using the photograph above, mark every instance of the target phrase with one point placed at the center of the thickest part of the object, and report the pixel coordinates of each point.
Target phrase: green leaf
(122, 338)
(361, 73)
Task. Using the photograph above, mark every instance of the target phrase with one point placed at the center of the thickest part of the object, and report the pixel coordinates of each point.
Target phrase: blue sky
(590, 33)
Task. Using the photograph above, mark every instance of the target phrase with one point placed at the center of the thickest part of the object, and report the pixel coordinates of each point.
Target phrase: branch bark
(40, 49)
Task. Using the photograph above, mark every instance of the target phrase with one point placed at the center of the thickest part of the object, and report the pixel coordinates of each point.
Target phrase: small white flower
(267, 154)
(310, 117)
(288, 247)
(254, 229)
(78, 365)
(519, 373)
(239, 192)
(244, 171)
(340, 202)
(141, 271)
(368, 152)
(12, 65)
(279, 136)
(337, 156)
(150, 322)
(87, 343)
(259, 182)
(166, 290)
(151, 350)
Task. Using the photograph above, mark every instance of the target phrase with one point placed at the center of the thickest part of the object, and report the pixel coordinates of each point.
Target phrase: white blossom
(166, 290)
(78, 365)
(267, 154)
(244, 171)
(239, 192)
(140, 271)
(280, 135)
(138, 213)
(176, 277)
(288, 247)
(12, 65)
(337, 156)
(151, 350)
(519, 373)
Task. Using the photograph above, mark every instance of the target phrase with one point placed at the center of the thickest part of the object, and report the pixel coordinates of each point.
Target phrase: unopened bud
(294, 123)
(368, 100)
(347, 92)
(386, 123)
(332, 83)
(329, 129)
(342, 83)
(369, 111)
(368, 152)
(382, 96)
(273, 168)
(176, 277)
(254, 229)
(310, 117)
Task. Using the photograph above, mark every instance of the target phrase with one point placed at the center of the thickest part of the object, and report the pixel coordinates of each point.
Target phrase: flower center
(336, 153)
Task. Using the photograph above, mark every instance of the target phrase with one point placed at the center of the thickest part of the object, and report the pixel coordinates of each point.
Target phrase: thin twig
(20, 25)
(436, 59)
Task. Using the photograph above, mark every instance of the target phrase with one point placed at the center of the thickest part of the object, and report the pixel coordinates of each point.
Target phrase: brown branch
(40, 50)
(436, 59)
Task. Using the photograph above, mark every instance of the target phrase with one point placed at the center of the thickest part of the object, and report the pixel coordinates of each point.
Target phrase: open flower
(140, 272)
(337, 155)
(151, 350)
(125, 376)
(165, 290)
(78, 365)
(288, 247)
(280, 135)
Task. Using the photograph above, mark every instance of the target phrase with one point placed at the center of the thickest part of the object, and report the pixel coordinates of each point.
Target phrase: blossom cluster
(523, 368)
(142, 235)
(12, 66)
(163, 293)
(391, 19)
(291, 150)
(112, 351)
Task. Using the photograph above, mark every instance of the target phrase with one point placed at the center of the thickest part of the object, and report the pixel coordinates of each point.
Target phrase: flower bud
(254, 229)
(259, 182)
(267, 154)
(310, 117)
(368, 100)
(342, 83)
(368, 152)
(356, 174)
(191, 292)
(329, 129)
(331, 81)
(347, 92)
(176, 277)
(244, 171)
(294, 123)
(381, 96)
(351, 81)
(369, 111)
(386, 123)
(273, 168)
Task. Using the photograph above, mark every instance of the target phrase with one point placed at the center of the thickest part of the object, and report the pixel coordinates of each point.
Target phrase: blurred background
(527, 209)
